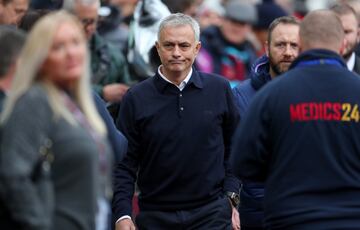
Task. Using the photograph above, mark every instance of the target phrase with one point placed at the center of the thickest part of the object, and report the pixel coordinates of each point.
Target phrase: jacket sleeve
(125, 172)
(251, 141)
(28, 198)
(117, 139)
(231, 120)
(123, 75)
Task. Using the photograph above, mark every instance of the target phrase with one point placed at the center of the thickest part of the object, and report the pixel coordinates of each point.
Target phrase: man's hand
(114, 92)
(125, 224)
(235, 219)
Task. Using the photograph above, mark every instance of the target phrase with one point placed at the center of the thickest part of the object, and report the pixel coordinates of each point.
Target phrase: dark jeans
(213, 216)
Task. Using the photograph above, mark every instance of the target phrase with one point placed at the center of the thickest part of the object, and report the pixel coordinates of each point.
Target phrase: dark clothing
(213, 216)
(357, 65)
(107, 65)
(117, 140)
(217, 55)
(49, 168)
(252, 194)
(2, 99)
(245, 91)
(301, 137)
(180, 143)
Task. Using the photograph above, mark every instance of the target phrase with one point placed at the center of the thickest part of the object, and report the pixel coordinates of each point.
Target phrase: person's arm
(251, 141)
(24, 185)
(117, 81)
(231, 120)
(119, 78)
(117, 139)
(125, 172)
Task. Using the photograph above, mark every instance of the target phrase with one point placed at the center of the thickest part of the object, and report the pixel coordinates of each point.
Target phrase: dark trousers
(213, 216)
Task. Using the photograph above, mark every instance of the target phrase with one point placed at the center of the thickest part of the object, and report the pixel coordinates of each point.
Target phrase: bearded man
(282, 47)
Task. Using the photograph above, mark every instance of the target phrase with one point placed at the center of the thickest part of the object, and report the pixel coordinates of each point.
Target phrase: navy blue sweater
(301, 136)
(179, 143)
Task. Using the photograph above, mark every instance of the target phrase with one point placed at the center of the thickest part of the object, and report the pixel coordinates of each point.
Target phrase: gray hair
(70, 5)
(180, 19)
(11, 42)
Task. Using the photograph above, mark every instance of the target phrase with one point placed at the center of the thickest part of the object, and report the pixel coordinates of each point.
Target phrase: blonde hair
(32, 57)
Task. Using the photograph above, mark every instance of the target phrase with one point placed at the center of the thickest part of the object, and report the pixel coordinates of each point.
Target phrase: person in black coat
(301, 135)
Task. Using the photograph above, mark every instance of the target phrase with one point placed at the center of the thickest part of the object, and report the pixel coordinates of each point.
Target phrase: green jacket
(107, 65)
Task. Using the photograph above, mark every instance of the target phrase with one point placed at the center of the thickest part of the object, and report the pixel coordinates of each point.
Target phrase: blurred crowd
(233, 35)
(66, 62)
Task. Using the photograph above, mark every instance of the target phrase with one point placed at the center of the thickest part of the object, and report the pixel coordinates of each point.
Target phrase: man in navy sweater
(282, 47)
(179, 125)
(301, 135)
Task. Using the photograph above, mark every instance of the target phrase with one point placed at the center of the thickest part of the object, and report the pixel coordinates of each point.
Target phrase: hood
(260, 72)
(316, 54)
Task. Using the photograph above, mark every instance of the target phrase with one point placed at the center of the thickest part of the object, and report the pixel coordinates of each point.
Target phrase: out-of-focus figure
(267, 11)
(11, 11)
(11, 42)
(54, 159)
(109, 70)
(350, 24)
(226, 49)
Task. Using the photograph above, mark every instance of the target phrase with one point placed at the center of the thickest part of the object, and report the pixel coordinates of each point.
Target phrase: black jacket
(301, 137)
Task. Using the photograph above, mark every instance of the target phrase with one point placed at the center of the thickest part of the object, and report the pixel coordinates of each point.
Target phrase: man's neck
(174, 77)
(272, 73)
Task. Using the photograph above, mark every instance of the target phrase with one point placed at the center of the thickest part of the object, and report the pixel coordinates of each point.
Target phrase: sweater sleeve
(231, 183)
(28, 194)
(125, 171)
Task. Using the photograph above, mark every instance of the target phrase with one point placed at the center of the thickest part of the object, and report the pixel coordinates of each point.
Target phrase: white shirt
(182, 84)
(351, 62)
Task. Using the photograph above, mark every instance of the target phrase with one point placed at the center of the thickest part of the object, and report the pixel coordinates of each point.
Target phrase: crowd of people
(191, 114)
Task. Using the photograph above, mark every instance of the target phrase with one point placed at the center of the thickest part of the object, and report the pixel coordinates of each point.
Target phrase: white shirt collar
(182, 84)
(351, 62)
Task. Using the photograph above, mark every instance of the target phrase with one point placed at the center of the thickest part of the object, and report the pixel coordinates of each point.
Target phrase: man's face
(12, 13)
(88, 15)
(8, 14)
(177, 49)
(350, 25)
(283, 48)
(21, 6)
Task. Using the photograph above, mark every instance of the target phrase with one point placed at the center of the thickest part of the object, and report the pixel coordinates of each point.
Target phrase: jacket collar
(316, 54)
(260, 74)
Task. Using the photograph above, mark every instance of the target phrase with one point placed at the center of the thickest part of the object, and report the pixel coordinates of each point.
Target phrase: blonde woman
(54, 160)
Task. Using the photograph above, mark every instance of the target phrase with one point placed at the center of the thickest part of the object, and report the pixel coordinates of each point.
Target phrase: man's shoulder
(211, 78)
(244, 87)
(142, 87)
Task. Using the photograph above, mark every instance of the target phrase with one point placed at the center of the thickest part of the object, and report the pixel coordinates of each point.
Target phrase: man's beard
(348, 53)
(275, 67)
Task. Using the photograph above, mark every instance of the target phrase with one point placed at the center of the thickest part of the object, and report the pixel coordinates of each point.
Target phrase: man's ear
(342, 49)
(300, 46)
(267, 49)
(198, 47)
